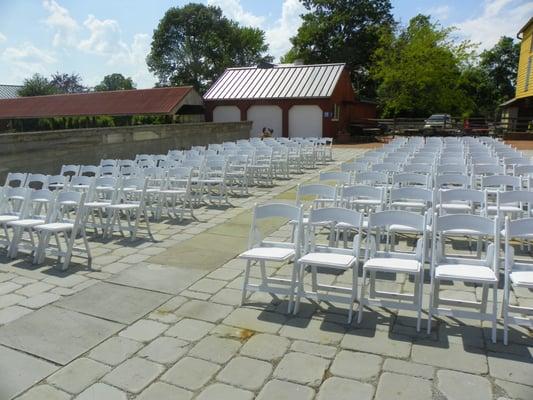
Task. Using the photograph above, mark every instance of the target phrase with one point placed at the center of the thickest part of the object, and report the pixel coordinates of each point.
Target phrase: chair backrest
(40, 204)
(276, 210)
(91, 170)
(36, 181)
(502, 182)
(451, 195)
(335, 176)
(14, 200)
(519, 228)
(320, 216)
(81, 182)
(372, 178)
(316, 190)
(410, 179)
(108, 163)
(384, 219)
(107, 170)
(419, 168)
(56, 182)
(451, 169)
(69, 170)
(448, 180)
(520, 170)
(411, 193)
(449, 224)
(15, 179)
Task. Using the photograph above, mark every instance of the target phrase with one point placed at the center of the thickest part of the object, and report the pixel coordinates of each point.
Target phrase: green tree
(342, 31)
(115, 82)
(501, 63)
(67, 83)
(192, 45)
(37, 85)
(419, 71)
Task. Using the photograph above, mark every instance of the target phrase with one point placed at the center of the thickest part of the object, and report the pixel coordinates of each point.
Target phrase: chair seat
(367, 202)
(408, 204)
(97, 204)
(462, 232)
(455, 206)
(504, 208)
(55, 227)
(522, 278)
(393, 264)
(268, 253)
(8, 218)
(405, 228)
(173, 191)
(123, 206)
(328, 260)
(465, 272)
(26, 222)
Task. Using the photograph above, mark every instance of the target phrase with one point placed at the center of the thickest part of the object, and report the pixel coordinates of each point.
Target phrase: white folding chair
(261, 250)
(329, 257)
(93, 170)
(481, 271)
(176, 193)
(37, 211)
(131, 202)
(36, 181)
(518, 274)
(65, 229)
(69, 170)
(13, 202)
(409, 263)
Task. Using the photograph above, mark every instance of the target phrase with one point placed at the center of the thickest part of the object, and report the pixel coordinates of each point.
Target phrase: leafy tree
(500, 64)
(37, 85)
(115, 82)
(419, 71)
(67, 83)
(192, 45)
(342, 31)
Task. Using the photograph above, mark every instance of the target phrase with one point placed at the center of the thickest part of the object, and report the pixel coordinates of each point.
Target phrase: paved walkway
(162, 321)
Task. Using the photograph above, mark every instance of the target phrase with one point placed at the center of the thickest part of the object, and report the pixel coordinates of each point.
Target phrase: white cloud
(277, 35)
(498, 18)
(284, 28)
(3, 38)
(104, 38)
(27, 60)
(66, 28)
(439, 12)
(132, 61)
(234, 10)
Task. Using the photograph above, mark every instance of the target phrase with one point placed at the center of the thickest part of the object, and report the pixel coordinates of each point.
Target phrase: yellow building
(517, 113)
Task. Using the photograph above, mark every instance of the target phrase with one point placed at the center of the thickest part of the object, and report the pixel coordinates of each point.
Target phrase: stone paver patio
(161, 320)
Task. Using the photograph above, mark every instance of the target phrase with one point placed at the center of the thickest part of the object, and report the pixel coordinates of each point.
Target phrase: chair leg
(416, 298)
(361, 298)
(430, 308)
(294, 283)
(494, 311)
(245, 283)
(354, 293)
(300, 277)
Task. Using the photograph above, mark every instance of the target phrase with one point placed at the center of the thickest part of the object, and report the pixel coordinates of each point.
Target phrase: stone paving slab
(19, 371)
(57, 334)
(159, 278)
(114, 302)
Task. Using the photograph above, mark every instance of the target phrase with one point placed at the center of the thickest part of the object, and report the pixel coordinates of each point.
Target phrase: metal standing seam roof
(9, 91)
(278, 82)
(121, 102)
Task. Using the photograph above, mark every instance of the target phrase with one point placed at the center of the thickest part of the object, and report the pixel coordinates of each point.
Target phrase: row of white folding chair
(43, 214)
(443, 267)
(35, 181)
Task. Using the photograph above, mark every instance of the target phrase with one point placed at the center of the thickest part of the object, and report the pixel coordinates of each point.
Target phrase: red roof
(120, 102)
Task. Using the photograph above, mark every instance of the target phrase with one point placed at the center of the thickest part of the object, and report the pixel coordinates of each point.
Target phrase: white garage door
(226, 114)
(265, 116)
(305, 121)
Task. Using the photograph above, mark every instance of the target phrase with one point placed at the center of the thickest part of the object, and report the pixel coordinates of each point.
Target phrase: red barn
(292, 99)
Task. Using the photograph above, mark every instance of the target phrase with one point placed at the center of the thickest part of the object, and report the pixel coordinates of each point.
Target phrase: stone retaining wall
(45, 152)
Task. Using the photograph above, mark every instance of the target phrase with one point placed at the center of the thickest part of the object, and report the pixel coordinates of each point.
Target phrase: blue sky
(99, 37)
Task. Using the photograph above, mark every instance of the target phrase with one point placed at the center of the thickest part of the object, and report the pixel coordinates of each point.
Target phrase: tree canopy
(342, 31)
(419, 70)
(115, 82)
(194, 44)
(37, 85)
(67, 83)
